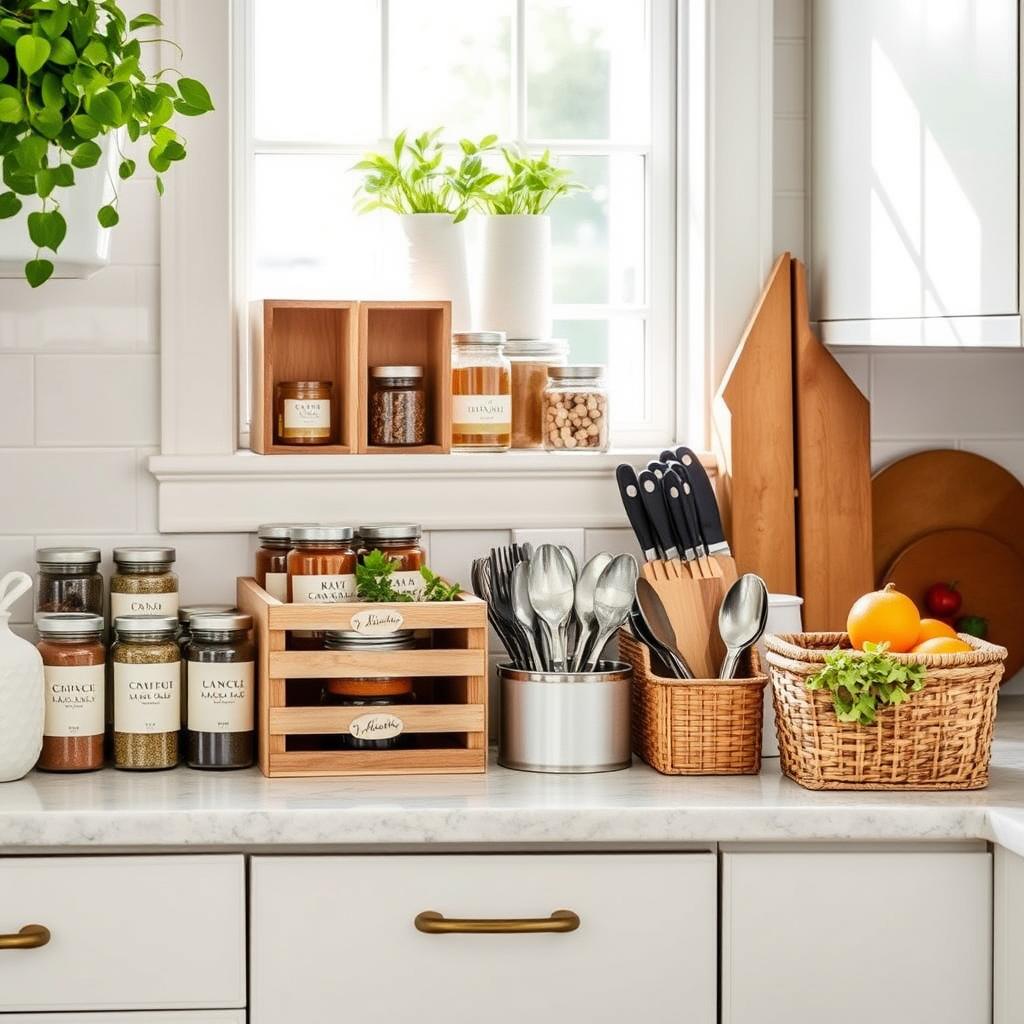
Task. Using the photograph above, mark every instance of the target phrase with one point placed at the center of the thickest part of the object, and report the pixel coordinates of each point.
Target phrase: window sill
(526, 490)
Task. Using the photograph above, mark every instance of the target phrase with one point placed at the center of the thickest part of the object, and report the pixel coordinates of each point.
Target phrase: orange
(931, 628)
(884, 616)
(942, 645)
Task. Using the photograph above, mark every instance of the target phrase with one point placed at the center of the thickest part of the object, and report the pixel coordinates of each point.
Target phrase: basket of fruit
(896, 702)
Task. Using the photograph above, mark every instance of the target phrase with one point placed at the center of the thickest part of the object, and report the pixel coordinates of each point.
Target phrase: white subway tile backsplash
(572, 539)
(16, 414)
(452, 551)
(885, 452)
(789, 218)
(1008, 453)
(19, 553)
(788, 154)
(149, 309)
(789, 77)
(790, 19)
(148, 514)
(136, 239)
(614, 542)
(858, 368)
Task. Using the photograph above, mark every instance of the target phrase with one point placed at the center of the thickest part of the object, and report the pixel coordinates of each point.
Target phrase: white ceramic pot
(515, 284)
(86, 246)
(783, 617)
(21, 689)
(436, 259)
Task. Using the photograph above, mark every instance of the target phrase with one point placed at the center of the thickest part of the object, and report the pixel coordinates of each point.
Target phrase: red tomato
(943, 600)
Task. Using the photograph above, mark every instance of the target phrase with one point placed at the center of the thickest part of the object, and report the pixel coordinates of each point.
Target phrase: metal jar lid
(278, 531)
(134, 625)
(144, 556)
(347, 640)
(479, 338)
(396, 371)
(321, 534)
(185, 612)
(66, 623)
(539, 348)
(219, 622)
(390, 531)
(67, 557)
(590, 372)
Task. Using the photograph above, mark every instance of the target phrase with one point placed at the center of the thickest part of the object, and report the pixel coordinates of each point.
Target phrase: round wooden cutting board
(943, 490)
(988, 573)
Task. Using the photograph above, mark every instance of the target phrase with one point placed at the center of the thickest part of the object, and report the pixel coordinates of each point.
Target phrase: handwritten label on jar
(323, 589)
(378, 726)
(307, 414)
(408, 581)
(147, 698)
(277, 586)
(74, 700)
(143, 604)
(372, 622)
(220, 697)
(481, 414)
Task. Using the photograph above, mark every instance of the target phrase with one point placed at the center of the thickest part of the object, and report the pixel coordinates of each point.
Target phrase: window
(591, 80)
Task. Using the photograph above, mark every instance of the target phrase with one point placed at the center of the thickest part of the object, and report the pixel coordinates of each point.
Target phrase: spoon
(652, 609)
(613, 598)
(524, 611)
(584, 604)
(551, 595)
(741, 619)
(570, 560)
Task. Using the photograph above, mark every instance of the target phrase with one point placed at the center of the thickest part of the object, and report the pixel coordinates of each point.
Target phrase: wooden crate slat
(379, 664)
(464, 613)
(377, 762)
(303, 721)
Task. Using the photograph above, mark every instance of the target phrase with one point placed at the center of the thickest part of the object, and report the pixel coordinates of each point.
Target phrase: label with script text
(147, 698)
(74, 700)
(481, 414)
(143, 604)
(323, 589)
(220, 697)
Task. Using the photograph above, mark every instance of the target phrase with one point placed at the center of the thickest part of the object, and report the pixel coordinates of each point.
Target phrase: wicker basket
(940, 738)
(696, 726)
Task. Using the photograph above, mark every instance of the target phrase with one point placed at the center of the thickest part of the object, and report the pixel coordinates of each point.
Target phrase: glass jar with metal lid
(69, 580)
(74, 666)
(147, 692)
(530, 359)
(272, 557)
(576, 409)
(481, 392)
(185, 613)
(398, 406)
(322, 565)
(221, 663)
(144, 583)
(303, 412)
(401, 543)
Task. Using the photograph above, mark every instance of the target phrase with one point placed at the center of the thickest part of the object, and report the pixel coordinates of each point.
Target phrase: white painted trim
(925, 332)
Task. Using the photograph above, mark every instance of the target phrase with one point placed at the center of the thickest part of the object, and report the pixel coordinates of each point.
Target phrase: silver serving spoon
(570, 560)
(551, 594)
(584, 604)
(741, 619)
(524, 611)
(655, 618)
(613, 598)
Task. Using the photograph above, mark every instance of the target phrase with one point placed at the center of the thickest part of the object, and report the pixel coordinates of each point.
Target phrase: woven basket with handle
(940, 738)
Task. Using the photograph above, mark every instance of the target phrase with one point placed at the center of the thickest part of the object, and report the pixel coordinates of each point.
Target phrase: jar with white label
(221, 670)
(401, 543)
(147, 692)
(481, 393)
(143, 583)
(304, 415)
(322, 565)
(272, 557)
(74, 661)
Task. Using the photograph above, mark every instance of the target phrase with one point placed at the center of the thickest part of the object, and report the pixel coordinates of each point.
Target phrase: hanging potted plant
(72, 87)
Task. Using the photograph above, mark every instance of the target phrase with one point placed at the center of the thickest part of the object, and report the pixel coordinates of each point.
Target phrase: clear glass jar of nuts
(576, 409)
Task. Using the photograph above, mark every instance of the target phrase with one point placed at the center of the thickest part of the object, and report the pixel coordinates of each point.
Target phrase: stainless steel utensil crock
(565, 721)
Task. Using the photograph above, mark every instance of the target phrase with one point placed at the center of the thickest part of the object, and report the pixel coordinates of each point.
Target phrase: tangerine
(931, 628)
(884, 616)
(942, 645)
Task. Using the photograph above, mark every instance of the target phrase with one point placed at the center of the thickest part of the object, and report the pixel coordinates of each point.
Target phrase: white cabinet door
(1008, 955)
(123, 1017)
(857, 938)
(332, 938)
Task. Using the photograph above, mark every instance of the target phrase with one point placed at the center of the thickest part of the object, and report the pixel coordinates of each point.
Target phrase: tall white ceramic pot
(784, 616)
(21, 689)
(437, 262)
(86, 246)
(515, 284)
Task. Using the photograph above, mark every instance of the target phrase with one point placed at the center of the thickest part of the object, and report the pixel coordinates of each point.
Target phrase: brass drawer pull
(32, 936)
(433, 923)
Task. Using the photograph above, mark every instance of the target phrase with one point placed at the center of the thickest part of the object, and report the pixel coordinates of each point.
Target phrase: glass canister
(576, 409)
(74, 665)
(69, 580)
(398, 406)
(221, 664)
(143, 583)
(530, 359)
(272, 557)
(303, 413)
(481, 393)
(401, 543)
(322, 565)
(147, 692)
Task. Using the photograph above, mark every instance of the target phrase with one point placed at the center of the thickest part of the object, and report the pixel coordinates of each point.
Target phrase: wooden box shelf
(446, 726)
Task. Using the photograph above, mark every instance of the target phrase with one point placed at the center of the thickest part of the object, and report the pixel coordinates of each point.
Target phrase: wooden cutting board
(988, 573)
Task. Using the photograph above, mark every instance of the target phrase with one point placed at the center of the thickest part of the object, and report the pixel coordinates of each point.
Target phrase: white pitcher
(21, 689)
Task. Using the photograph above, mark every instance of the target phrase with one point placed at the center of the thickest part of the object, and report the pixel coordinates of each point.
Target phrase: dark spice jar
(74, 662)
(401, 543)
(398, 406)
(272, 558)
(69, 580)
(221, 692)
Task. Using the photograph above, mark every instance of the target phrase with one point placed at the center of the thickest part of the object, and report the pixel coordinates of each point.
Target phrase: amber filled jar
(272, 557)
(401, 543)
(74, 661)
(398, 406)
(69, 580)
(143, 583)
(322, 565)
(303, 413)
(576, 409)
(481, 393)
(530, 359)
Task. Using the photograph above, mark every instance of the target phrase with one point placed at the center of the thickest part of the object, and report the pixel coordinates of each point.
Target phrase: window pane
(450, 65)
(588, 70)
(598, 236)
(317, 70)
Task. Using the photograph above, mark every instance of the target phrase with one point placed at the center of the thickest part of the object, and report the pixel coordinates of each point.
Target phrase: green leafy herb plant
(373, 581)
(860, 683)
(70, 73)
(530, 185)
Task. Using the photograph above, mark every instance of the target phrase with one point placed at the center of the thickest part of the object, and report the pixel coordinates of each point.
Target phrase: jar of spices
(530, 359)
(576, 409)
(221, 692)
(303, 412)
(143, 583)
(401, 543)
(187, 611)
(322, 565)
(74, 663)
(272, 557)
(398, 406)
(376, 729)
(481, 393)
(147, 692)
(69, 580)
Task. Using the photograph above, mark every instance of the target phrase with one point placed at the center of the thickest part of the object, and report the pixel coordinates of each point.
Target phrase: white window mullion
(519, 97)
(385, 67)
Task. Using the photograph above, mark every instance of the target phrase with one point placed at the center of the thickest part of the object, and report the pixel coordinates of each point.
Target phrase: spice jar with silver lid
(576, 409)
(221, 663)
(322, 565)
(144, 583)
(481, 392)
(69, 580)
(272, 557)
(147, 692)
(398, 406)
(401, 543)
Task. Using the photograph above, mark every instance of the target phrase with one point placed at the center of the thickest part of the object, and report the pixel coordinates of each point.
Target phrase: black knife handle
(654, 505)
(707, 503)
(659, 469)
(672, 485)
(629, 491)
(690, 509)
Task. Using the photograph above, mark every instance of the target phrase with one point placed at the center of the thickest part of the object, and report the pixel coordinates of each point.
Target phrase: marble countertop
(113, 810)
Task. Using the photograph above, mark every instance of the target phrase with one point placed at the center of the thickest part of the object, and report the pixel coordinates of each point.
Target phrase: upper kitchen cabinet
(914, 152)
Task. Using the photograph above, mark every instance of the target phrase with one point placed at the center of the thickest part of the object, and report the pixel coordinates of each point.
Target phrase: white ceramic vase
(21, 689)
(784, 616)
(436, 261)
(86, 246)
(515, 284)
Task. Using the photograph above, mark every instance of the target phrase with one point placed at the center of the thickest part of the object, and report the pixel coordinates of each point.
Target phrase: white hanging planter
(436, 262)
(515, 287)
(86, 247)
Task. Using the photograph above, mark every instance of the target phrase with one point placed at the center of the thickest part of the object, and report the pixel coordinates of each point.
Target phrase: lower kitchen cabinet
(850, 938)
(122, 1017)
(1008, 935)
(333, 938)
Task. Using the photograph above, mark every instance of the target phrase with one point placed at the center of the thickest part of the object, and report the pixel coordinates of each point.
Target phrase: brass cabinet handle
(32, 936)
(433, 923)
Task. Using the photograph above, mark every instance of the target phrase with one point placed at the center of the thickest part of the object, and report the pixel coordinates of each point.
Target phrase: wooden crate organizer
(450, 681)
